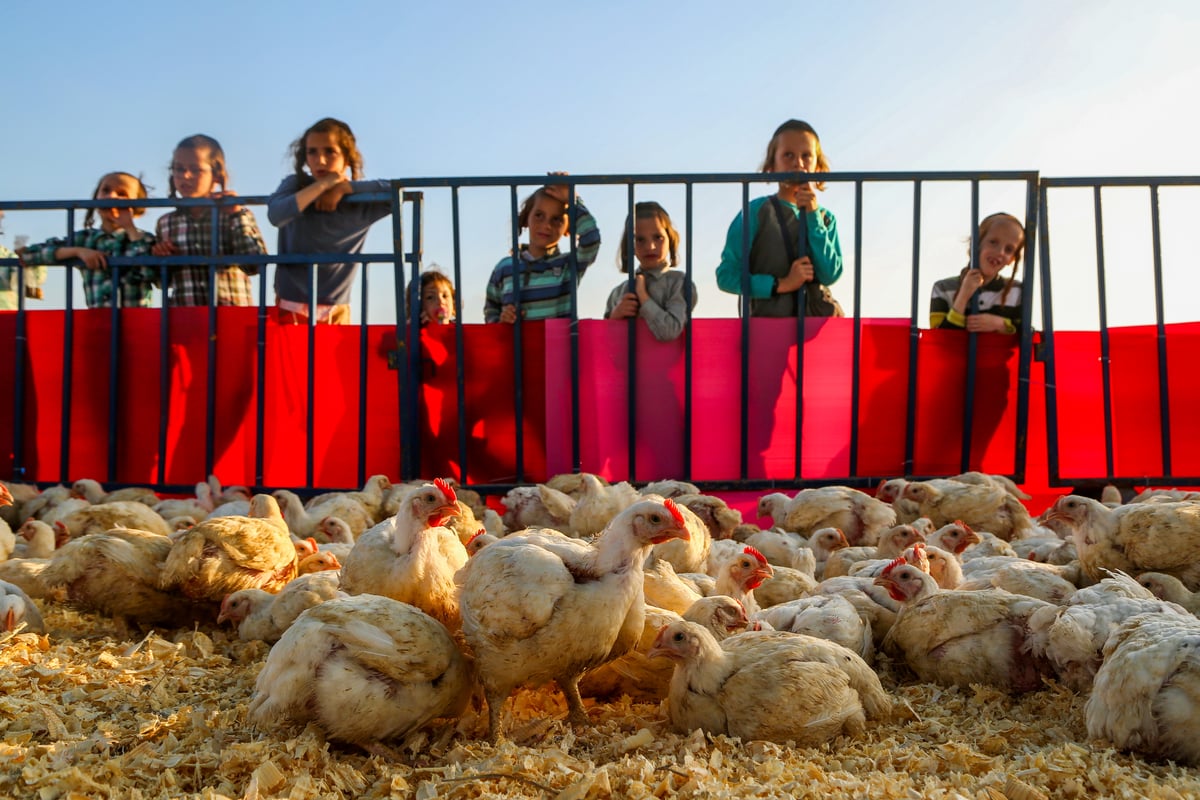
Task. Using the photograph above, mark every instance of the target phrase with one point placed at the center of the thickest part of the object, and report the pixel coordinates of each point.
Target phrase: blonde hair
(216, 159)
(798, 126)
(985, 225)
(90, 218)
(345, 141)
(649, 210)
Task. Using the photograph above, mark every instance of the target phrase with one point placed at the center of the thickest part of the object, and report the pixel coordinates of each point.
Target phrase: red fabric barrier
(603, 365)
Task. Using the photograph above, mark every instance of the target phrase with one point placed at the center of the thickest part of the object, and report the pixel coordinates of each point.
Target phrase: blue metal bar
(68, 363)
(210, 383)
(408, 333)
(855, 379)
(573, 285)
(744, 308)
(415, 350)
(1105, 355)
(461, 381)
(914, 338)
(968, 427)
(687, 337)
(518, 342)
(630, 340)
(1164, 395)
(1026, 332)
(1052, 461)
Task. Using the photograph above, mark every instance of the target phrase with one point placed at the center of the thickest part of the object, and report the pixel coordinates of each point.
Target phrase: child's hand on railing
(231, 209)
(985, 323)
(509, 314)
(92, 259)
(628, 307)
(164, 247)
(329, 199)
(558, 191)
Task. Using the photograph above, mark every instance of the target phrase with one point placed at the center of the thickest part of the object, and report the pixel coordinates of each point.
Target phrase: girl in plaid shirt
(117, 236)
(197, 168)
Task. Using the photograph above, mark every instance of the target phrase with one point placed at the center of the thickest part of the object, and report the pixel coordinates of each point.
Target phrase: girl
(544, 282)
(308, 210)
(197, 167)
(1001, 242)
(117, 236)
(658, 291)
(778, 268)
(437, 299)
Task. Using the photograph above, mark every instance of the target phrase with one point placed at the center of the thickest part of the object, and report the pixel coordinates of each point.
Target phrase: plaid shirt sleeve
(241, 235)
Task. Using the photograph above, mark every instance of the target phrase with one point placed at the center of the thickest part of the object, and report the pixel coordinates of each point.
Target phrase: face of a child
(324, 155)
(795, 151)
(998, 247)
(437, 303)
(650, 243)
(118, 187)
(547, 224)
(191, 169)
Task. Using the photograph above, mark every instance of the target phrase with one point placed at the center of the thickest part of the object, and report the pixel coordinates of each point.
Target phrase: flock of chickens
(395, 605)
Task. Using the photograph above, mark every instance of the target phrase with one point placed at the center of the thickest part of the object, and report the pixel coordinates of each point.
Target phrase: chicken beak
(336, 564)
(10, 620)
(224, 615)
(440, 515)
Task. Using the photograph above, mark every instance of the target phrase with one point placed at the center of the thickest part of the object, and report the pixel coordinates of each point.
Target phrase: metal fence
(406, 256)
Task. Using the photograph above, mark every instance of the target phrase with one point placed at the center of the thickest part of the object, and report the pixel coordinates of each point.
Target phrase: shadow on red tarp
(340, 353)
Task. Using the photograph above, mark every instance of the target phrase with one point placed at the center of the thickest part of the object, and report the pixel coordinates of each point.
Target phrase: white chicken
(1072, 636)
(983, 507)
(537, 506)
(224, 554)
(685, 555)
(1145, 693)
(1019, 576)
(857, 514)
(665, 588)
(768, 685)
(1170, 588)
(892, 543)
(826, 616)
(598, 504)
(119, 514)
(670, 488)
(94, 493)
(412, 557)
(17, 608)
(535, 610)
(716, 513)
(1134, 538)
(784, 549)
(958, 638)
(741, 575)
(366, 669)
(261, 615)
(38, 540)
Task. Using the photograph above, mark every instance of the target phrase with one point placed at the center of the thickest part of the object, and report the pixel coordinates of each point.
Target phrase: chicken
(645, 679)
(1072, 636)
(370, 499)
(857, 514)
(333, 530)
(988, 508)
(716, 513)
(8, 506)
(366, 669)
(670, 488)
(720, 552)
(117, 573)
(981, 479)
(1047, 550)
(892, 492)
(1019, 576)
(829, 616)
(892, 543)
(664, 588)
(874, 604)
(1145, 693)
(767, 685)
(1170, 588)
(320, 561)
(824, 542)
(38, 540)
(17, 609)
(534, 611)
(958, 638)
(27, 573)
(412, 557)
(224, 554)
(119, 514)
(197, 507)
(94, 493)
(1134, 538)
(784, 549)
(741, 575)
(783, 586)
(690, 554)
(598, 504)
(480, 540)
(261, 615)
(537, 507)
(956, 537)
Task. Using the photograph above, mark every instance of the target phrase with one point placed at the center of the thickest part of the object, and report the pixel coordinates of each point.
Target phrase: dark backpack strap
(798, 247)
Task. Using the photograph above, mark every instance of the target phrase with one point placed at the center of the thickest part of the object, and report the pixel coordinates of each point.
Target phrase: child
(544, 286)
(311, 218)
(117, 236)
(779, 269)
(437, 299)
(197, 167)
(659, 291)
(1001, 242)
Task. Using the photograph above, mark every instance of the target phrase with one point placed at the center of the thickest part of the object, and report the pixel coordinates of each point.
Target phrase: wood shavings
(94, 710)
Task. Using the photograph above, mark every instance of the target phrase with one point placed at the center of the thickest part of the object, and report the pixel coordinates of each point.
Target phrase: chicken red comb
(899, 562)
(475, 536)
(675, 513)
(446, 489)
(918, 546)
(750, 551)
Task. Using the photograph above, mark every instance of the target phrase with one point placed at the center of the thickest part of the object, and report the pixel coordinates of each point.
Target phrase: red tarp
(546, 386)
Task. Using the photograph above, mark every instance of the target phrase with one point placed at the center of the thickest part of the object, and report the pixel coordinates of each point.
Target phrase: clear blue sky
(1068, 88)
